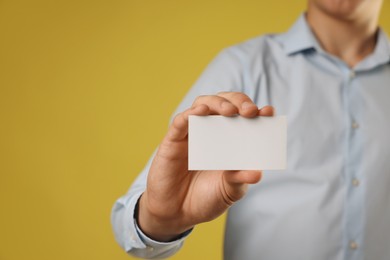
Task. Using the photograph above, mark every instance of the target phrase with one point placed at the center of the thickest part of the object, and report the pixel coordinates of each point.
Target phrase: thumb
(241, 177)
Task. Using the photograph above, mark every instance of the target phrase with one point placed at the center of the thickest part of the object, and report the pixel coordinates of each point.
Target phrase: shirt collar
(300, 38)
(380, 55)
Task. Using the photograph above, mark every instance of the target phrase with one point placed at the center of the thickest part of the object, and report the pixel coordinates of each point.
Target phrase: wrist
(159, 228)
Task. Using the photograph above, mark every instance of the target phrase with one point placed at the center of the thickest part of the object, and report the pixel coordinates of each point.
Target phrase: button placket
(352, 74)
(354, 188)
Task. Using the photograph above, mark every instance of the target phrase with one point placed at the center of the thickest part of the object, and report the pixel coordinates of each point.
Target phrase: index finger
(245, 105)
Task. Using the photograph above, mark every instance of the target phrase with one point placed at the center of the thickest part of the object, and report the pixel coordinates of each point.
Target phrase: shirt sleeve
(158, 249)
(224, 73)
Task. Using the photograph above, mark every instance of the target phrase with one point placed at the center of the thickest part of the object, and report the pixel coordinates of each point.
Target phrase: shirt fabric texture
(333, 200)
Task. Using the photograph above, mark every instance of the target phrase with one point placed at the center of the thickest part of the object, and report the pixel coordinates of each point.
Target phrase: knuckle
(240, 95)
(175, 120)
(199, 99)
(234, 95)
(178, 118)
(222, 93)
(208, 100)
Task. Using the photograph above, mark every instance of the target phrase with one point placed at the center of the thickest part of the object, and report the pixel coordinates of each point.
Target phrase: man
(330, 74)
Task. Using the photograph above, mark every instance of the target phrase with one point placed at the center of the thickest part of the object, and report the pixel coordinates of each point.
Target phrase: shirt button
(355, 182)
(355, 125)
(353, 245)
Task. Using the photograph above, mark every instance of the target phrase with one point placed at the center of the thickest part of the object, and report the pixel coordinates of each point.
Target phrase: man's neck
(349, 40)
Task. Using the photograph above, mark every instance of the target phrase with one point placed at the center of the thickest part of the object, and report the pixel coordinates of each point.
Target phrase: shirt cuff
(155, 245)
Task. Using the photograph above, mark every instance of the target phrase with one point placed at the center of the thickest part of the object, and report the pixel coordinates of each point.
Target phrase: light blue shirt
(333, 201)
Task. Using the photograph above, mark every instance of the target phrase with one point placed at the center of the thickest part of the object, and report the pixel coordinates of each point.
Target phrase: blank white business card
(237, 143)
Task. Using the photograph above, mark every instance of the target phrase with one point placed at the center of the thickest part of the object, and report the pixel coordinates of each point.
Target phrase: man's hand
(177, 199)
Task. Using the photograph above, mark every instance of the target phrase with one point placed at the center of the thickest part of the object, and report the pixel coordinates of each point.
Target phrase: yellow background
(86, 92)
